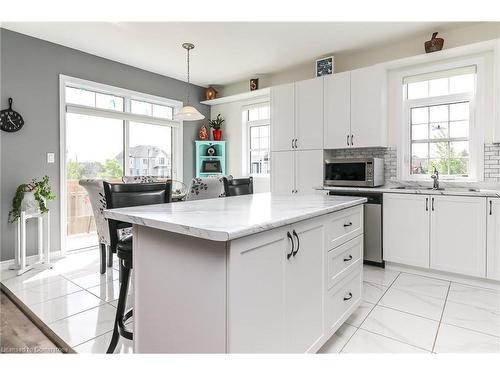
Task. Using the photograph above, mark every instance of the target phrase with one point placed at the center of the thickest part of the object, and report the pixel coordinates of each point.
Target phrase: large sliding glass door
(110, 133)
(93, 150)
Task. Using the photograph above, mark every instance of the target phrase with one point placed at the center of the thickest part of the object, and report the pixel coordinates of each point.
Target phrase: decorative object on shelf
(254, 84)
(211, 151)
(188, 112)
(10, 120)
(434, 44)
(31, 198)
(210, 93)
(216, 124)
(203, 133)
(325, 66)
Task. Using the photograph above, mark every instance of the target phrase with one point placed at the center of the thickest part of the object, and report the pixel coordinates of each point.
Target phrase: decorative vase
(29, 203)
(217, 134)
(203, 133)
(434, 44)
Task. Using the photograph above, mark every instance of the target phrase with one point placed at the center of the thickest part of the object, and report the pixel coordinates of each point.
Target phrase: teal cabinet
(210, 165)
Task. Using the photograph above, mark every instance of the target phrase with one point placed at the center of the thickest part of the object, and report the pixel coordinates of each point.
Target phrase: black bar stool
(238, 186)
(128, 195)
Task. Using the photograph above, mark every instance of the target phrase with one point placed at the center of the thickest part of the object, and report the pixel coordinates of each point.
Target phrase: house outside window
(257, 120)
(439, 116)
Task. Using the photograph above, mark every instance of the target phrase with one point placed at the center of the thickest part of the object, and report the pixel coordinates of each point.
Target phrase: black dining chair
(128, 195)
(237, 186)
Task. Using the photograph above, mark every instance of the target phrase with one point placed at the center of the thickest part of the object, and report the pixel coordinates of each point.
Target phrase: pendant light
(188, 112)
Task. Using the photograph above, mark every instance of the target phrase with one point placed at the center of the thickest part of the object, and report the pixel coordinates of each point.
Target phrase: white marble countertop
(224, 219)
(464, 191)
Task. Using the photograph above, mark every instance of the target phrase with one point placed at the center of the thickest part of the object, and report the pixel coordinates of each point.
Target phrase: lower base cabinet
(279, 299)
(458, 235)
(493, 239)
(440, 232)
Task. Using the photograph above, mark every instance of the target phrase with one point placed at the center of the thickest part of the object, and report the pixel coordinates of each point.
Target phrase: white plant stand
(43, 227)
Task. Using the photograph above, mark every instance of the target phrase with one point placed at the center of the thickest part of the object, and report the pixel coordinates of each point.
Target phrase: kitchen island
(255, 273)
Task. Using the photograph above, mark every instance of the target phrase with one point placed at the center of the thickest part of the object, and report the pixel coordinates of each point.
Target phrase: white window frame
(246, 141)
(476, 122)
(126, 116)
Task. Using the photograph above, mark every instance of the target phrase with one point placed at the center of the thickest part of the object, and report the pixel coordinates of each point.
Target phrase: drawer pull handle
(291, 240)
(298, 243)
(349, 258)
(349, 296)
(347, 225)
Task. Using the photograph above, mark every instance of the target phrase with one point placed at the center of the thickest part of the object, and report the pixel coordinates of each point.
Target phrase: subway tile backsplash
(389, 154)
(492, 162)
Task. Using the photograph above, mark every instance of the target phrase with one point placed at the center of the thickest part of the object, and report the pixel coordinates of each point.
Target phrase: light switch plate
(51, 157)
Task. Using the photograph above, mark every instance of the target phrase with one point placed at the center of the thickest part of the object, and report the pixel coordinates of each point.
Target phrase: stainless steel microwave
(367, 172)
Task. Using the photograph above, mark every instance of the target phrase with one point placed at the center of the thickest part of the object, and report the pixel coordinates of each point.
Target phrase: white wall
(349, 60)
(232, 133)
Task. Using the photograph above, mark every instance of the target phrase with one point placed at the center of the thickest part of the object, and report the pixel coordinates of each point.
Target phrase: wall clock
(10, 120)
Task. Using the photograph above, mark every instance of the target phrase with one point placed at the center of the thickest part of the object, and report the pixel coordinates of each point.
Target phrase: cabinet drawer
(343, 297)
(344, 226)
(343, 259)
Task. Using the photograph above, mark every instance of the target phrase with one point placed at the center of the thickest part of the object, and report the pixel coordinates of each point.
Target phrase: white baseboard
(461, 279)
(4, 265)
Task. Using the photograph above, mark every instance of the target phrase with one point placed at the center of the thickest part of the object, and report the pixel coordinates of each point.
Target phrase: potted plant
(215, 125)
(31, 197)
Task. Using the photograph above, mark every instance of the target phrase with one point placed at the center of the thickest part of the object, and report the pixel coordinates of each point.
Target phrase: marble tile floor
(400, 313)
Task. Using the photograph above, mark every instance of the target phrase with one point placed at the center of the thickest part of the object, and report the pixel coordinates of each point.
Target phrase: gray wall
(30, 71)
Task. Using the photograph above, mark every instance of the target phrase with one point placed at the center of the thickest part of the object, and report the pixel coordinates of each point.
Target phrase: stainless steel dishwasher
(373, 249)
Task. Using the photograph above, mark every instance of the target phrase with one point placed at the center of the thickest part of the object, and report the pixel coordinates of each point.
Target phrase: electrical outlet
(51, 157)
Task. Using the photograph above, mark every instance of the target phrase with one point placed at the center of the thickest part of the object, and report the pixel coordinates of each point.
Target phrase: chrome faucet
(435, 177)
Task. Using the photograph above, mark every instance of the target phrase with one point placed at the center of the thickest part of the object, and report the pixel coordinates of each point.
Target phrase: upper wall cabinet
(337, 110)
(309, 114)
(297, 116)
(355, 109)
(282, 117)
(369, 107)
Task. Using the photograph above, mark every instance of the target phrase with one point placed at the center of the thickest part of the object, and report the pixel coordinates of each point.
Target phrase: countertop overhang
(225, 219)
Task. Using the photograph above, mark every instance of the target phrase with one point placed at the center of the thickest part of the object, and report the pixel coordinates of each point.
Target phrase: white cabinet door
(282, 172)
(304, 287)
(337, 110)
(406, 229)
(369, 107)
(256, 292)
(308, 171)
(493, 239)
(458, 234)
(282, 117)
(309, 114)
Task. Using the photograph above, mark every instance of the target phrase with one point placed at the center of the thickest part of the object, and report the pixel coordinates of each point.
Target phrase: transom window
(439, 110)
(258, 124)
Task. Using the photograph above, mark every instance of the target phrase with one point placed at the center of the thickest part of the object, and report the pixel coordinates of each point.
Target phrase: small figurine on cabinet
(254, 84)
(203, 133)
(210, 93)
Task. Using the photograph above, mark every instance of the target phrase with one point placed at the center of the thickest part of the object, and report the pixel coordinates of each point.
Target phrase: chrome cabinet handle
(348, 139)
(295, 142)
(352, 143)
(349, 296)
(348, 259)
(432, 204)
(427, 204)
(348, 225)
(292, 143)
(298, 243)
(491, 207)
(291, 240)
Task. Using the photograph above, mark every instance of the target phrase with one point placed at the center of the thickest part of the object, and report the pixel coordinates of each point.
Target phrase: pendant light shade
(188, 112)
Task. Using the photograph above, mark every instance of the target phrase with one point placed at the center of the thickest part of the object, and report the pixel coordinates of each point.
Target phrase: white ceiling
(224, 52)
